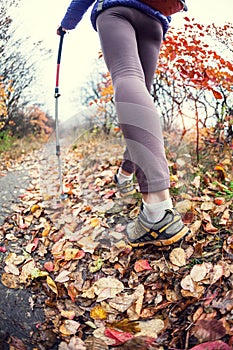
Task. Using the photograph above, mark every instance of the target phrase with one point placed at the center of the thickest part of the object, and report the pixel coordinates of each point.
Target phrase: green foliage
(6, 141)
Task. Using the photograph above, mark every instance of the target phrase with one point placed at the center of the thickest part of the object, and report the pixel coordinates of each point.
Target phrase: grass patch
(12, 148)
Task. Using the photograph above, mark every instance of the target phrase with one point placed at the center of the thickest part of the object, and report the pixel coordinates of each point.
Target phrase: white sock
(122, 177)
(154, 212)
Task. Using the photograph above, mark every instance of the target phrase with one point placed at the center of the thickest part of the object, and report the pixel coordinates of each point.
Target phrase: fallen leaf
(63, 276)
(68, 314)
(198, 272)
(123, 302)
(34, 208)
(87, 244)
(11, 268)
(107, 287)
(52, 285)
(69, 327)
(183, 206)
(119, 336)
(217, 273)
(207, 330)
(76, 344)
(10, 281)
(96, 265)
(142, 265)
(151, 328)
(126, 325)
(215, 345)
(178, 257)
(187, 283)
(98, 313)
(49, 266)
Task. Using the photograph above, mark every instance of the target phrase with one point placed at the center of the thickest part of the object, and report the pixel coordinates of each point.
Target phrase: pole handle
(62, 33)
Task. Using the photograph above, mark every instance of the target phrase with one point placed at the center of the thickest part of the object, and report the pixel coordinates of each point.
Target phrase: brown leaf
(10, 281)
(178, 257)
(107, 288)
(69, 327)
(207, 330)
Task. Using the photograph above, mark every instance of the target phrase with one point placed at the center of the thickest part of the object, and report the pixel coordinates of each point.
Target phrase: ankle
(156, 197)
(123, 176)
(154, 212)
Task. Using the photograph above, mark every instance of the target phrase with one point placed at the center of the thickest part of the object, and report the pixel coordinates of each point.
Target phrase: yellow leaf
(98, 313)
(46, 231)
(34, 208)
(70, 253)
(94, 222)
(52, 285)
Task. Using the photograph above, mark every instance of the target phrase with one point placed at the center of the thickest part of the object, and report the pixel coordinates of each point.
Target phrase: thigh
(148, 48)
(130, 42)
(119, 44)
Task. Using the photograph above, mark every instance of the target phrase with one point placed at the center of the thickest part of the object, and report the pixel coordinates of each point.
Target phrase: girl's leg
(130, 42)
(119, 30)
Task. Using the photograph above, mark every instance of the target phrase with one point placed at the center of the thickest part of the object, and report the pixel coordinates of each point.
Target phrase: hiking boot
(168, 230)
(126, 188)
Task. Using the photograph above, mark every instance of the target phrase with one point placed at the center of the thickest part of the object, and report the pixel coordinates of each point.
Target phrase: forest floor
(70, 280)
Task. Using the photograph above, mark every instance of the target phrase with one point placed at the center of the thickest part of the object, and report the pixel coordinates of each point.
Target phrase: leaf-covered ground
(95, 290)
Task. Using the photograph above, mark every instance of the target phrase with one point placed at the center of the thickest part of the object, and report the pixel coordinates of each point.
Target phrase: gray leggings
(130, 42)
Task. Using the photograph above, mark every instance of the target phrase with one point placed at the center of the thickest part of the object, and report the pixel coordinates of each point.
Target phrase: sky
(40, 19)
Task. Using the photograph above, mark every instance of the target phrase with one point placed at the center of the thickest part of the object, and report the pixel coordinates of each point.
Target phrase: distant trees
(17, 71)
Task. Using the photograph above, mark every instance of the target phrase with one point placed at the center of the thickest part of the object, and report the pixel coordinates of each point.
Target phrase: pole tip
(63, 196)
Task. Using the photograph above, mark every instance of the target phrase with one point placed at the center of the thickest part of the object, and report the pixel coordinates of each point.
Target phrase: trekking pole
(56, 95)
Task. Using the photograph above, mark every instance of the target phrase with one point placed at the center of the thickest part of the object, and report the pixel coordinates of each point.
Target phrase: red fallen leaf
(218, 201)
(35, 244)
(142, 265)
(118, 336)
(48, 265)
(214, 345)
(109, 194)
(2, 249)
(21, 196)
(80, 254)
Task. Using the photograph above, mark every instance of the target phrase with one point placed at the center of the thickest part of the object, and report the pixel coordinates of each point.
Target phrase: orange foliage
(189, 59)
(39, 120)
